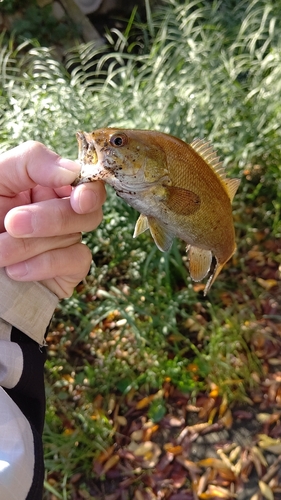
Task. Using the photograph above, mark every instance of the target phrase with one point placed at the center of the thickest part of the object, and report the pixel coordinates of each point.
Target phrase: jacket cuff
(28, 306)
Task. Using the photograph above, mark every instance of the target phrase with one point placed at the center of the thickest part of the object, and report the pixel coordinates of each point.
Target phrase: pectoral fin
(141, 225)
(163, 239)
(181, 201)
(199, 262)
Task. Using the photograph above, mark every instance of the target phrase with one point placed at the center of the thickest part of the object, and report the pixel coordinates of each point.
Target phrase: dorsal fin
(231, 186)
(207, 152)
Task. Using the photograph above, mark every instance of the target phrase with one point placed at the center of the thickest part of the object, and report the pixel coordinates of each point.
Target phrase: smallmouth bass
(181, 190)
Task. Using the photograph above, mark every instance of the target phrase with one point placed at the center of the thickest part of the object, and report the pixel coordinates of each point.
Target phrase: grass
(195, 69)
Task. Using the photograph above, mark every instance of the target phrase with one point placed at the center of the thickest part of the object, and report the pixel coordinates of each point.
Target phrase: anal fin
(141, 225)
(162, 238)
(199, 262)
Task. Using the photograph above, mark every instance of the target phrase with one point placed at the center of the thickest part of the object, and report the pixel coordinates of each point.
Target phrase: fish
(180, 189)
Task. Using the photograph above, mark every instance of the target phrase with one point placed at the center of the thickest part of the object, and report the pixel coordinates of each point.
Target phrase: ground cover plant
(154, 391)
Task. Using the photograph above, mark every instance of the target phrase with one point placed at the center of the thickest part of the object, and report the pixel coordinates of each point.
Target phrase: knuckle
(85, 257)
(63, 221)
(33, 146)
(51, 263)
(26, 245)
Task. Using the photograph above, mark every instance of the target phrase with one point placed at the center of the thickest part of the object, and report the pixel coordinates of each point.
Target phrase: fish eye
(118, 140)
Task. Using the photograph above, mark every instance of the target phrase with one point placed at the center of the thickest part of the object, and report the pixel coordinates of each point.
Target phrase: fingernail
(69, 165)
(19, 222)
(67, 171)
(16, 271)
(87, 200)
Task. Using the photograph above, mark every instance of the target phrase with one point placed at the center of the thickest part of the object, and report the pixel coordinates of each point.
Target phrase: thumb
(32, 163)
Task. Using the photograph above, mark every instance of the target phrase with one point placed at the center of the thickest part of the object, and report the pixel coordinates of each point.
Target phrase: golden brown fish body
(180, 190)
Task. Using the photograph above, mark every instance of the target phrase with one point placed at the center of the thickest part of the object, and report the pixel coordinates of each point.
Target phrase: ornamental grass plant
(193, 69)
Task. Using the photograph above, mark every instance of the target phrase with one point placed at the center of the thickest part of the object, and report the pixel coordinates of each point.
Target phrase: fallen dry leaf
(266, 491)
(198, 287)
(235, 453)
(175, 450)
(137, 435)
(164, 461)
(111, 462)
(272, 470)
(270, 444)
(212, 415)
(256, 496)
(258, 256)
(198, 427)
(216, 463)
(138, 495)
(223, 406)
(225, 459)
(256, 461)
(207, 406)
(187, 464)
(203, 482)
(215, 390)
(105, 454)
(267, 284)
(214, 491)
(147, 400)
(264, 417)
(144, 402)
(259, 454)
(149, 430)
(148, 451)
(119, 419)
(227, 419)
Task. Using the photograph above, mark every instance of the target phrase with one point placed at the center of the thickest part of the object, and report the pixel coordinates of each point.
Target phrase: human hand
(41, 218)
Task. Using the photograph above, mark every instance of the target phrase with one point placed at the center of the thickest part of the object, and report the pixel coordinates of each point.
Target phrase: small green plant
(157, 410)
(9, 6)
(38, 23)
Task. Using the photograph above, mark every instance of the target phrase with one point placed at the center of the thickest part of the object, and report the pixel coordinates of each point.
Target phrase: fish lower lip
(81, 179)
(87, 155)
(87, 151)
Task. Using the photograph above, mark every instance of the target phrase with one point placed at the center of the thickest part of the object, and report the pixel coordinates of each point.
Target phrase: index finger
(32, 163)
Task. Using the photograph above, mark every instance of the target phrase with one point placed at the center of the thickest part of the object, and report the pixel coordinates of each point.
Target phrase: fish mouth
(87, 158)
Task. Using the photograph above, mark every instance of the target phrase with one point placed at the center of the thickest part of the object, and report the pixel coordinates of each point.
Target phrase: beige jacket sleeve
(28, 306)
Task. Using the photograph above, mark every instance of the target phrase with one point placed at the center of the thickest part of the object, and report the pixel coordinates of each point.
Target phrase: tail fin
(216, 272)
(213, 277)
